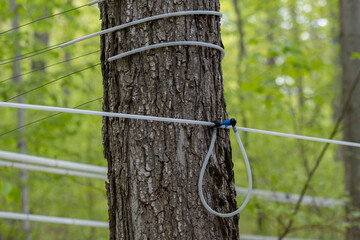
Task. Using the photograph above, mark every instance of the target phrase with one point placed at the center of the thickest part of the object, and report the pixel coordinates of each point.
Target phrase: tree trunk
(65, 89)
(154, 167)
(16, 70)
(350, 43)
(41, 40)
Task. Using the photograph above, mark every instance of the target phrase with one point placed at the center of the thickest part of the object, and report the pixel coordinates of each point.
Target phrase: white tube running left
(51, 162)
(48, 219)
(104, 114)
(80, 222)
(60, 171)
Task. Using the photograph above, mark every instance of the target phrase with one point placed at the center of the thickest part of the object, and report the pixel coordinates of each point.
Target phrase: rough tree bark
(16, 70)
(350, 43)
(154, 167)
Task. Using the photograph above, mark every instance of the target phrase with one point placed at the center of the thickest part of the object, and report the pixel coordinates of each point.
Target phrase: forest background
(281, 73)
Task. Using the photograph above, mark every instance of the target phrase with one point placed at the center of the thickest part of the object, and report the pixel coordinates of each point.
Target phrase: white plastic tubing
(202, 172)
(94, 2)
(283, 197)
(51, 162)
(168, 44)
(39, 218)
(154, 46)
(60, 171)
(136, 22)
(80, 222)
(170, 120)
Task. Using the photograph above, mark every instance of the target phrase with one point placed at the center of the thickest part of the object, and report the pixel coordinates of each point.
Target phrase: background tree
(350, 46)
(17, 78)
(154, 167)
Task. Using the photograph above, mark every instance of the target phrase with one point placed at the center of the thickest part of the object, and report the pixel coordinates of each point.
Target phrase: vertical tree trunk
(42, 38)
(65, 88)
(16, 67)
(350, 43)
(240, 58)
(41, 41)
(154, 167)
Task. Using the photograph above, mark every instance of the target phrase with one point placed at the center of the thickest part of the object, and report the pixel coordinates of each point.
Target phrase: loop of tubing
(168, 44)
(202, 172)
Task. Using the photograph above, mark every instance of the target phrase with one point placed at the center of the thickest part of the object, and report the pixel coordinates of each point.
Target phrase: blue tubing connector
(227, 122)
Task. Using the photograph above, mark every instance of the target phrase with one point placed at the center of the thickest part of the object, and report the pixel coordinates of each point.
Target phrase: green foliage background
(287, 80)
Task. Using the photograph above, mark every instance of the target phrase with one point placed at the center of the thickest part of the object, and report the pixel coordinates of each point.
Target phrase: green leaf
(14, 195)
(6, 188)
(355, 56)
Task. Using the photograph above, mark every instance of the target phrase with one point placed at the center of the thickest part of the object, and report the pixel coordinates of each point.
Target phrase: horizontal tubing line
(51, 162)
(105, 114)
(168, 44)
(283, 197)
(173, 120)
(314, 139)
(71, 221)
(48, 219)
(60, 171)
(136, 22)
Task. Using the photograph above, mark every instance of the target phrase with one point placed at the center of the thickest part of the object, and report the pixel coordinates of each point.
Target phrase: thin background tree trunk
(21, 121)
(350, 43)
(154, 167)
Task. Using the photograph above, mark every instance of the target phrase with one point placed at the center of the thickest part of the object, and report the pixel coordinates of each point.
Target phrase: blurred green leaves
(355, 56)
